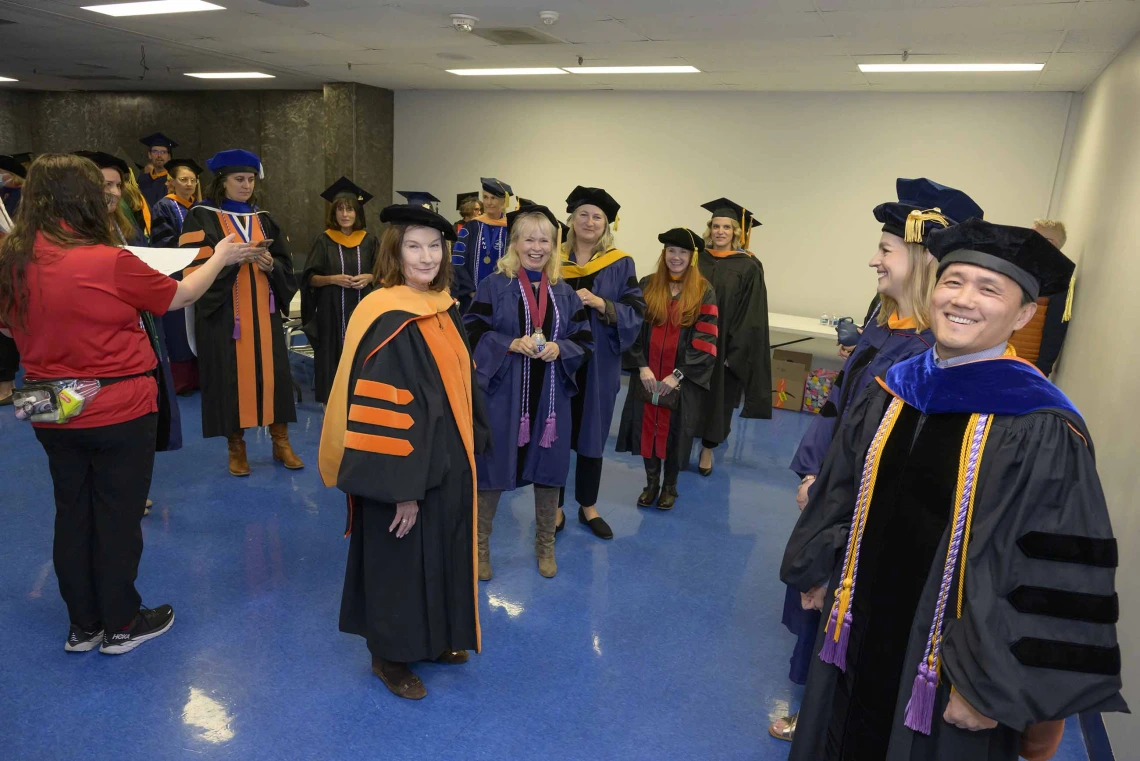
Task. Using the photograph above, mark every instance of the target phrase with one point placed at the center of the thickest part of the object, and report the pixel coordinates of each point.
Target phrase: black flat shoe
(668, 498)
(600, 528)
(561, 525)
(648, 496)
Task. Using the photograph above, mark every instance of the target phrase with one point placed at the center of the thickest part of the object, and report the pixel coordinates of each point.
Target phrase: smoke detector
(464, 22)
(550, 18)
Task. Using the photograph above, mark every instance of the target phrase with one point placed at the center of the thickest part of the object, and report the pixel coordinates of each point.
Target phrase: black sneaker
(80, 639)
(148, 624)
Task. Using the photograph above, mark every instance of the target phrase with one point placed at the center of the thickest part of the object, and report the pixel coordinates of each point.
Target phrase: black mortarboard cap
(419, 198)
(1019, 253)
(526, 202)
(581, 196)
(496, 187)
(158, 140)
(722, 207)
(923, 207)
(190, 164)
(23, 158)
(463, 197)
(410, 214)
(346, 187)
(535, 209)
(682, 237)
(10, 165)
(107, 161)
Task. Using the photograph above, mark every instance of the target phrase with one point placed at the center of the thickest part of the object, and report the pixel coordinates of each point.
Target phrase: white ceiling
(740, 45)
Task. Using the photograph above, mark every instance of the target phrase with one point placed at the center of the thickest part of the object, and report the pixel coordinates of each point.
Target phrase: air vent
(517, 35)
(93, 77)
(91, 65)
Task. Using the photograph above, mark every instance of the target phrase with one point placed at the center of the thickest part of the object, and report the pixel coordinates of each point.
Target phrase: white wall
(811, 165)
(1100, 365)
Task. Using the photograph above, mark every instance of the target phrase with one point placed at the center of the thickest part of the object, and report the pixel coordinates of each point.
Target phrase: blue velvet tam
(347, 188)
(412, 214)
(1022, 254)
(582, 196)
(496, 187)
(924, 206)
(419, 198)
(158, 140)
(235, 160)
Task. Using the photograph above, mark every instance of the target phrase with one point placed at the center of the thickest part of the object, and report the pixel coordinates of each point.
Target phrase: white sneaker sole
(131, 645)
(84, 647)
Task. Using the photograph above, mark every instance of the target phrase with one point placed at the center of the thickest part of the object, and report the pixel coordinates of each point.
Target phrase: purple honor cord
(550, 430)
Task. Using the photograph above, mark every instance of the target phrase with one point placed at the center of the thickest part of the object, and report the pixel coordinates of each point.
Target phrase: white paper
(165, 260)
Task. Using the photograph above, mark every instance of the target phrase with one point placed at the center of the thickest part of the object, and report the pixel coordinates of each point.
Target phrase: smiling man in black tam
(971, 595)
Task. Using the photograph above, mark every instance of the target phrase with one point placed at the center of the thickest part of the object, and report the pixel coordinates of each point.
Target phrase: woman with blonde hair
(670, 365)
(900, 330)
(529, 335)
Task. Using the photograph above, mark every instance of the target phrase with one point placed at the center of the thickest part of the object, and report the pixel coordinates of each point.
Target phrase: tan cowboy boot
(239, 465)
(282, 449)
(488, 506)
(545, 516)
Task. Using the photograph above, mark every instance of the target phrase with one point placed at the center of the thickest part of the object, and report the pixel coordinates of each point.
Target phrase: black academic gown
(403, 423)
(744, 358)
(243, 364)
(1025, 650)
(325, 311)
(650, 430)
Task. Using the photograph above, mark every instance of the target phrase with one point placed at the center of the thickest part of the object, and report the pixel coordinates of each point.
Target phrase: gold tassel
(1068, 315)
(617, 222)
(696, 248)
(916, 223)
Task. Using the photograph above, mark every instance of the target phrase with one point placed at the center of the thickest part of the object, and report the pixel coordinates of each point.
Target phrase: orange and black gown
(403, 422)
(243, 363)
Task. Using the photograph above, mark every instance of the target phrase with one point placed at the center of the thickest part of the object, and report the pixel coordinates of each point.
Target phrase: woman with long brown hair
(671, 365)
(70, 296)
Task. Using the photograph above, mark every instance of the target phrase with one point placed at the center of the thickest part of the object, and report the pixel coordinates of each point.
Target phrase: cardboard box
(790, 370)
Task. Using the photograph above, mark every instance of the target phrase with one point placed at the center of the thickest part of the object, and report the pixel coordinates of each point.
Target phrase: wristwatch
(680, 376)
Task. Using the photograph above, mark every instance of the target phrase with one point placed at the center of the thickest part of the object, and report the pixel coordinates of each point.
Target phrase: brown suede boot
(545, 516)
(239, 465)
(282, 449)
(488, 505)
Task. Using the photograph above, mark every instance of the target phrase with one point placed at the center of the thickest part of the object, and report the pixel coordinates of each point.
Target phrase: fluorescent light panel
(633, 70)
(503, 72)
(230, 75)
(931, 68)
(154, 8)
(7, 79)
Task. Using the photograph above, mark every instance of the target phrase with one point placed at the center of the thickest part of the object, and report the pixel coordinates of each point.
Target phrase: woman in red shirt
(71, 300)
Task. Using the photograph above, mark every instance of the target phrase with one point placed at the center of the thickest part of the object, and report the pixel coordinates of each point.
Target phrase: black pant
(654, 464)
(9, 359)
(587, 482)
(101, 478)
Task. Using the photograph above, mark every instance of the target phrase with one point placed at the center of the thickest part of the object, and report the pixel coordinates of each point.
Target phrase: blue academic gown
(879, 348)
(599, 380)
(167, 218)
(493, 321)
(152, 189)
(474, 257)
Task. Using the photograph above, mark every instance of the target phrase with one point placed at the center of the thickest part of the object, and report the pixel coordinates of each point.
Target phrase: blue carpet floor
(663, 644)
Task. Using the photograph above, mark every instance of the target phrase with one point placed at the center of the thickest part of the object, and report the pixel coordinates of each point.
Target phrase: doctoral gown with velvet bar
(167, 218)
(153, 187)
(743, 345)
(496, 318)
(325, 311)
(599, 379)
(481, 242)
(1036, 640)
(245, 381)
(649, 430)
(403, 423)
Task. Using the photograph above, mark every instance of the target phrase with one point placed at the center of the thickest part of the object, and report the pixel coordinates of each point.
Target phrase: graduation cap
(526, 202)
(10, 165)
(420, 198)
(107, 161)
(346, 188)
(682, 237)
(582, 196)
(513, 216)
(722, 207)
(462, 198)
(411, 214)
(190, 164)
(496, 187)
(23, 158)
(235, 160)
(923, 207)
(159, 140)
(1020, 253)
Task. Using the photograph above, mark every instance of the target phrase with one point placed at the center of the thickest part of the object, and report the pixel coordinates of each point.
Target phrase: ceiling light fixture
(939, 68)
(153, 8)
(8, 79)
(230, 75)
(633, 70)
(503, 72)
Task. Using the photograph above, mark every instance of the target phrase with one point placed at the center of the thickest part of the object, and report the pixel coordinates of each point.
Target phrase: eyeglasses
(186, 180)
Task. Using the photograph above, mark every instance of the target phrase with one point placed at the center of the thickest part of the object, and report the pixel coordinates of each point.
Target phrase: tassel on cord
(549, 432)
(237, 314)
(1068, 315)
(272, 301)
(920, 707)
(524, 428)
(916, 223)
(617, 222)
